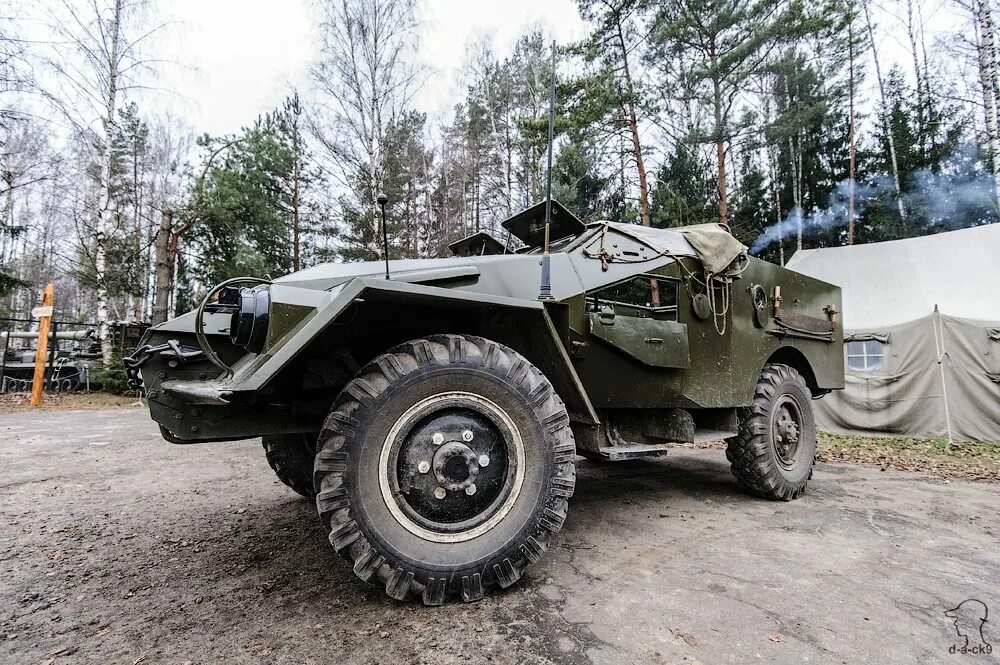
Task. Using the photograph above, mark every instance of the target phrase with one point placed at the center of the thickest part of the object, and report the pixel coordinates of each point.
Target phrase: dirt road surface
(121, 548)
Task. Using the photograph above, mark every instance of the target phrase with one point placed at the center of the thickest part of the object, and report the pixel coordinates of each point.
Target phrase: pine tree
(728, 42)
(610, 99)
(684, 192)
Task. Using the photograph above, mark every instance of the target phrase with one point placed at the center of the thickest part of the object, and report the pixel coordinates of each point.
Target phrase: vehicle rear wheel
(291, 458)
(444, 468)
(773, 453)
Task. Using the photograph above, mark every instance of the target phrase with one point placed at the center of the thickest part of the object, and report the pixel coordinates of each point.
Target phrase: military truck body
(641, 346)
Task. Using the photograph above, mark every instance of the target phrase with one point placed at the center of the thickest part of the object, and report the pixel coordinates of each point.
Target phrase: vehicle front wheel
(444, 468)
(772, 455)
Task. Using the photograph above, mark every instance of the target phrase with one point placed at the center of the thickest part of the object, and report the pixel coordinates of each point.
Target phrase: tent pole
(939, 347)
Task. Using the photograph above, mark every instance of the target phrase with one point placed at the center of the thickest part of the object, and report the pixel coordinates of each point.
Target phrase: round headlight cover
(248, 327)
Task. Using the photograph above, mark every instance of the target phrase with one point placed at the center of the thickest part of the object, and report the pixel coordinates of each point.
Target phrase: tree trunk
(104, 195)
(509, 163)
(164, 268)
(987, 78)
(720, 153)
(796, 172)
(296, 260)
(773, 172)
(886, 118)
(633, 127)
(918, 77)
(425, 233)
(850, 175)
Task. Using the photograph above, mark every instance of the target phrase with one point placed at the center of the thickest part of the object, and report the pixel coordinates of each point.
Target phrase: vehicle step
(640, 450)
(633, 451)
(709, 435)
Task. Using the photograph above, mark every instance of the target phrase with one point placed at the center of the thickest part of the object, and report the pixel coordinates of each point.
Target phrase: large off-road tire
(291, 457)
(444, 468)
(773, 453)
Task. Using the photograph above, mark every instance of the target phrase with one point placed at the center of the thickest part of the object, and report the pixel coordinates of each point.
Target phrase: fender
(300, 315)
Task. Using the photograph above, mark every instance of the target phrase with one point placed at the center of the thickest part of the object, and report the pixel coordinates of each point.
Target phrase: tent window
(866, 356)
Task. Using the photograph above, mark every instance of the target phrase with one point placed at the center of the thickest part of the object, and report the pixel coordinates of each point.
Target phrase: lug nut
(424, 466)
(471, 489)
(439, 493)
(437, 438)
(467, 435)
(484, 460)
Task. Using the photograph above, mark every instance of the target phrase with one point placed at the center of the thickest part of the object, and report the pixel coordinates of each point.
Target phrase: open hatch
(528, 226)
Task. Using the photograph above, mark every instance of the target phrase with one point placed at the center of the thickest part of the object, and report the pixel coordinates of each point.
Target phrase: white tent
(922, 332)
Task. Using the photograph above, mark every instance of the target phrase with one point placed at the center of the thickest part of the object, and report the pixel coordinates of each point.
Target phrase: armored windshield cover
(478, 244)
(528, 226)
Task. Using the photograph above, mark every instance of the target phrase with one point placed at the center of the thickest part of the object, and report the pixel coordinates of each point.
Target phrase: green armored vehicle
(436, 413)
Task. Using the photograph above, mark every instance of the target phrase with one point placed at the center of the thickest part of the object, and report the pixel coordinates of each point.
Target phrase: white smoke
(956, 196)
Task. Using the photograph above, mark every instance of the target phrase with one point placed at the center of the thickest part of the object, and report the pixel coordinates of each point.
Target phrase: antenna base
(545, 292)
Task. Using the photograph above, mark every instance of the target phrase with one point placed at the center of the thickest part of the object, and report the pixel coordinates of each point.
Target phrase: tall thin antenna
(382, 200)
(545, 292)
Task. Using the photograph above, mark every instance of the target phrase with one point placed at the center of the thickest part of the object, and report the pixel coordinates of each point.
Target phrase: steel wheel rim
(786, 431)
(427, 453)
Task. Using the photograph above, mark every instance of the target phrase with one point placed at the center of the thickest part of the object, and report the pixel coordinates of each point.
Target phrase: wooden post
(45, 315)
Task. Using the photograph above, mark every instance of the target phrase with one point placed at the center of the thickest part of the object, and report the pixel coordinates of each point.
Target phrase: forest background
(799, 123)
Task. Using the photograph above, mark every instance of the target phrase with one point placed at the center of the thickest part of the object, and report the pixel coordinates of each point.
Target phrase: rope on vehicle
(711, 283)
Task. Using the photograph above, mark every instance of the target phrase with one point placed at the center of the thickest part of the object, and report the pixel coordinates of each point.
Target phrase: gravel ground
(121, 548)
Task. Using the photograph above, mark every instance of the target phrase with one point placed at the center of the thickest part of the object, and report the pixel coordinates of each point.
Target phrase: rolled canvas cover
(713, 244)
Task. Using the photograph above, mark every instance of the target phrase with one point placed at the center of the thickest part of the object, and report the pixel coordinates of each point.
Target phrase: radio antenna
(545, 292)
(382, 200)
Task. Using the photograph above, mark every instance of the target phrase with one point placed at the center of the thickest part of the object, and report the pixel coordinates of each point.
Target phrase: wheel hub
(456, 466)
(786, 428)
(451, 466)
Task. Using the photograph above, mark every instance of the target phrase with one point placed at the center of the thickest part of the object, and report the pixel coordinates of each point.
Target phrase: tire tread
(749, 452)
(333, 504)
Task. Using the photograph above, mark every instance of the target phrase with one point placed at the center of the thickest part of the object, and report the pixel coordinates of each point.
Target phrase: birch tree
(987, 57)
(99, 58)
(365, 78)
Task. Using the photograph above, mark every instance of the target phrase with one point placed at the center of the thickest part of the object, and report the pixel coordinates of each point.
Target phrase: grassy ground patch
(12, 402)
(971, 461)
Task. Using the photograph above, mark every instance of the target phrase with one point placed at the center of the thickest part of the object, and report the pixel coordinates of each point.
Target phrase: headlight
(248, 327)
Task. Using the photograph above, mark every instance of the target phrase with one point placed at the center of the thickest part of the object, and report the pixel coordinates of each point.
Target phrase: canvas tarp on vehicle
(713, 244)
(924, 318)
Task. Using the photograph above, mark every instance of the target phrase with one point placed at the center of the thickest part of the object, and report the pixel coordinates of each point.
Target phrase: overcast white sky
(243, 56)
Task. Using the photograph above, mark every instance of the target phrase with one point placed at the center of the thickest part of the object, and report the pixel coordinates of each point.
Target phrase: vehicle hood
(451, 271)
